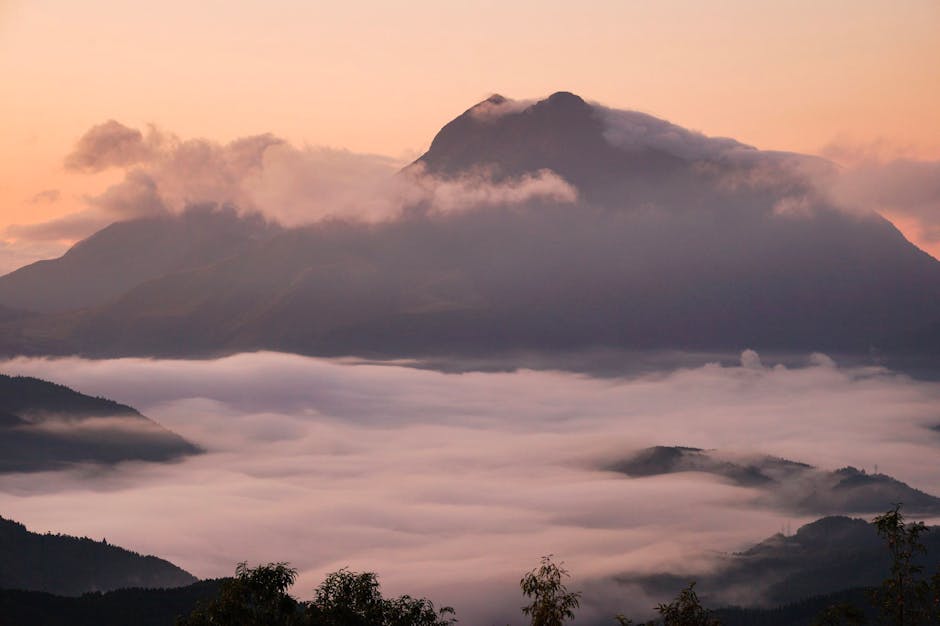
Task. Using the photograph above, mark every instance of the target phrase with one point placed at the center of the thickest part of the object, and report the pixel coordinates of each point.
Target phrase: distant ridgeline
(784, 484)
(71, 566)
(45, 426)
(824, 557)
(140, 607)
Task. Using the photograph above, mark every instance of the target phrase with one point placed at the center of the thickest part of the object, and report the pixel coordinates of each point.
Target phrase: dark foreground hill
(45, 426)
(140, 607)
(827, 556)
(803, 613)
(71, 566)
(662, 239)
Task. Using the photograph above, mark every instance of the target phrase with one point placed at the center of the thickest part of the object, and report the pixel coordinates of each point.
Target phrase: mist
(452, 485)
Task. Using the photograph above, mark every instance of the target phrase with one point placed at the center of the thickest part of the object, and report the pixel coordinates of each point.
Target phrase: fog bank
(452, 485)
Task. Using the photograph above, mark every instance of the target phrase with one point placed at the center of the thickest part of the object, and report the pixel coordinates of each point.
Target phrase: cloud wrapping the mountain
(476, 189)
(497, 106)
(452, 485)
(265, 174)
(902, 187)
(301, 185)
(112, 144)
(137, 196)
(632, 130)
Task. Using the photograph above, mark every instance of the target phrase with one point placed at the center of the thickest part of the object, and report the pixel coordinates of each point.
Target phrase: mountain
(71, 566)
(45, 426)
(562, 133)
(829, 555)
(675, 240)
(141, 607)
(126, 254)
(789, 485)
(801, 613)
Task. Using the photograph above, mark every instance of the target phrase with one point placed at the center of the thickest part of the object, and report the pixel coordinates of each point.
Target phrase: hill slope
(126, 254)
(71, 566)
(829, 555)
(676, 240)
(46, 426)
(788, 485)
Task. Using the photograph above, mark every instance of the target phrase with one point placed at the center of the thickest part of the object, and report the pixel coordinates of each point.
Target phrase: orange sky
(384, 76)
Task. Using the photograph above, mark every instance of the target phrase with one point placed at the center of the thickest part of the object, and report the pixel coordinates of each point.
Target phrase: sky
(451, 486)
(854, 80)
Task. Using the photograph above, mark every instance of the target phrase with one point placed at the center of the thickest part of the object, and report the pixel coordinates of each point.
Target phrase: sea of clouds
(451, 485)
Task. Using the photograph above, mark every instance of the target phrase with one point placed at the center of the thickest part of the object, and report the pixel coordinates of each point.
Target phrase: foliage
(552, 603)
(839, 614)
(904, 597)
(685, 610)
(255, 597)
(258, 597)
(348, 598)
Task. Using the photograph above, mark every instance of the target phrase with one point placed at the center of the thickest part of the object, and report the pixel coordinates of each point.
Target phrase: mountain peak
(562, 133)
(565, 99)
(515, 137)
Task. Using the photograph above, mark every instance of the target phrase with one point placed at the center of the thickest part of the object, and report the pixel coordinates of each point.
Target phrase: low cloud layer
(452, 485)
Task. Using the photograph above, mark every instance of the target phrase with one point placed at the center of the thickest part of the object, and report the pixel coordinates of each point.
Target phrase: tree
(904, 598)
(258, 597)
(552, 603)
(685, 610)
(254, 597)
(839, 614)
(348, 598)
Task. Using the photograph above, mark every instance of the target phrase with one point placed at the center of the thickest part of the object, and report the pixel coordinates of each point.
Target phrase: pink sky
(838, 77)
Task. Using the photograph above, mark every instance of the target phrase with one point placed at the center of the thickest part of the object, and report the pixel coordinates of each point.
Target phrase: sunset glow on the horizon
(819, 78)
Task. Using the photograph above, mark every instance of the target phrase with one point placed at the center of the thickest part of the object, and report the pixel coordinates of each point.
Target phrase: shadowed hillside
(71, 566)
(47, 426)
(672, 240)
(789, 485)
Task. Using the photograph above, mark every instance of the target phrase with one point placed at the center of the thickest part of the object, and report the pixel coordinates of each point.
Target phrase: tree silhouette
(904, 597)
(348, 598)
(552, 603)
(839, 615)
(258, 597)
(685, 610)
(254, 597)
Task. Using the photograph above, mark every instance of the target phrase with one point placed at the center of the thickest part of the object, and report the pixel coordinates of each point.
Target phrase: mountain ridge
(47, 426)
(678, 241)
(71, 566)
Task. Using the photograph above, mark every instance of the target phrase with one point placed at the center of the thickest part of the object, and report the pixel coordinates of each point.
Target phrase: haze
(449, 484)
